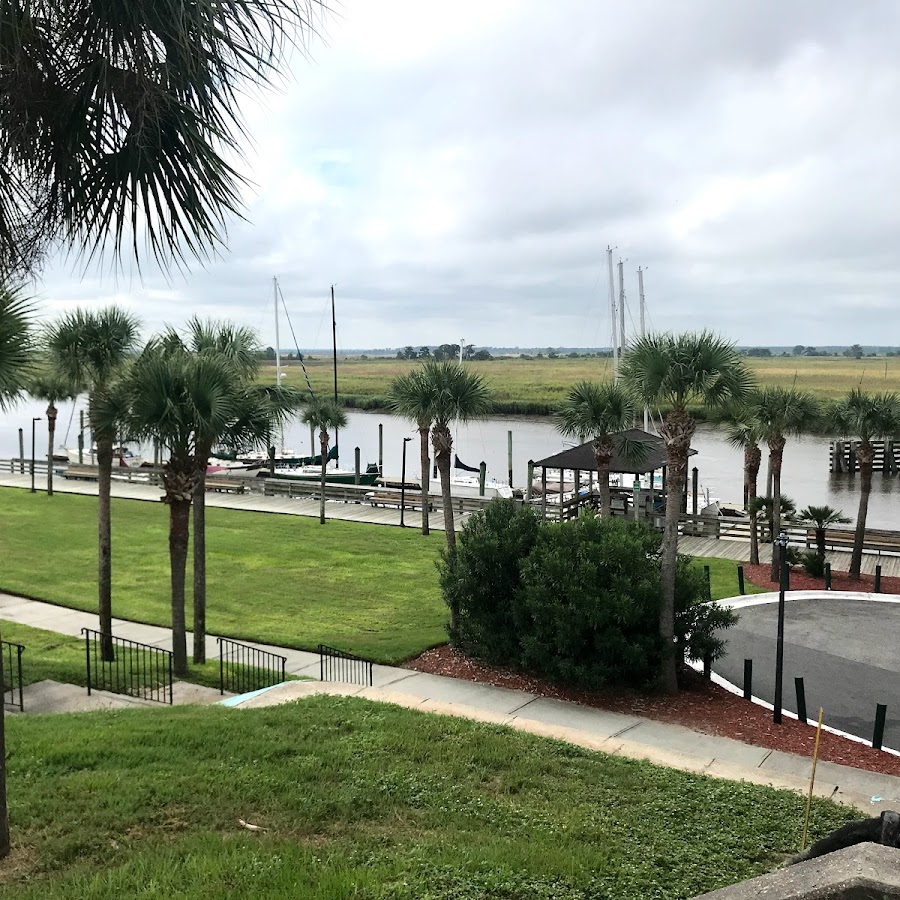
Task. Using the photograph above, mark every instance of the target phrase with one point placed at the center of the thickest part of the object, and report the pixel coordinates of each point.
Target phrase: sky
(458, 170)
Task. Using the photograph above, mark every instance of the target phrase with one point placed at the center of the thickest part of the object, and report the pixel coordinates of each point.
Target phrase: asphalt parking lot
(846, 651)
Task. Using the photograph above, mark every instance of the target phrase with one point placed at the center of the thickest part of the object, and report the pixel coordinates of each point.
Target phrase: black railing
(335, 665)
(12, 674)
(243, 668)
(139, 670)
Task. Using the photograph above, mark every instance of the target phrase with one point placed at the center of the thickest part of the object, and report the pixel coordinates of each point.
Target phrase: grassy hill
(365, 800)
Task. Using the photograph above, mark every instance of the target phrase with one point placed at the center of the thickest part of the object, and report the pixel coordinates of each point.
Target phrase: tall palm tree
(52, 387)
(179, 399)
(597, 411)
(457, 395)
(675, 371)
(820, 517)
(257, 414)
(410, 395)
(90, 348)
(323, 413)
(121, 122)
(16, 347)
(777, 413)
(865, 417)
(743, 434)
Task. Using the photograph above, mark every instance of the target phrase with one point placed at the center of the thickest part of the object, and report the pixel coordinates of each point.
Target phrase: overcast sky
(458, 170)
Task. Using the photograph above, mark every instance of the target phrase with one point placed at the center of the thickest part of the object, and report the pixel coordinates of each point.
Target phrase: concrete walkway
(626, 735)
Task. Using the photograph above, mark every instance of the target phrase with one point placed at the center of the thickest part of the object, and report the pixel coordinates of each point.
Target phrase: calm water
(805, 478)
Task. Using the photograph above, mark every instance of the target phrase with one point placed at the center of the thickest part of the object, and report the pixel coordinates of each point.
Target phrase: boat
(122, 457)
(333, 475)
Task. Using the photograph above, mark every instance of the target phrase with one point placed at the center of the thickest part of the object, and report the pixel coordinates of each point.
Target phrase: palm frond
(410, 395)
(324, 414)
(821, 516)
(16, 343)
(457, 393)
(777, 411)
(866, 416)
(595, 409)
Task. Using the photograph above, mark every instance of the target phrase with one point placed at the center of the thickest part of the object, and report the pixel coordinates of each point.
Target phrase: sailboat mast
(621, 309)
(461, 345)
(612, 314)
(277, 359)
(643, 330)
(334, 364)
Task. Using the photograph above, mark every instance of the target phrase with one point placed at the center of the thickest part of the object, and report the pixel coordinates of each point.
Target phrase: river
(805, 477)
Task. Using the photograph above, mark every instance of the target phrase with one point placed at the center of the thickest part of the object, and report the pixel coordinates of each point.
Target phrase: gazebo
(581, 459)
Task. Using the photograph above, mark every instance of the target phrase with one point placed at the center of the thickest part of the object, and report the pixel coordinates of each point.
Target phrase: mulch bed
(701, 706)
(840, 581)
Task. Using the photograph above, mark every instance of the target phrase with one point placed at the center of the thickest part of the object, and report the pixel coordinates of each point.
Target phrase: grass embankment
(279, 579)
(369, 801)
(536, 386)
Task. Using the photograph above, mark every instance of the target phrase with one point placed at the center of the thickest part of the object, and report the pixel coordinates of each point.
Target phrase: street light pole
(406, 440)
(782, 542)
(33, 422)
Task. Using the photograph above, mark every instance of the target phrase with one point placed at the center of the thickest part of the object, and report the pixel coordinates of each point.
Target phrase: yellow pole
(812, 781)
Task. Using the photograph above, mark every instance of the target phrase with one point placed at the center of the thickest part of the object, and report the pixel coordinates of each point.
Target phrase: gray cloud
(462, 171)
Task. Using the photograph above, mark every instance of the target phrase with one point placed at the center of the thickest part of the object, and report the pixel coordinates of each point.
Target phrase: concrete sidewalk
(618, 733)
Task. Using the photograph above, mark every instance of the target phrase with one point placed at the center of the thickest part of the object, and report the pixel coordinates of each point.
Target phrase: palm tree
(820, 517)
(90, 348)
(410, 395)
(598, 411)
(743, 434)
(865, 417)
(323, 413)
(181, 400)
(457, 395)
(53, 387)
(121, 122)
(778, 412)
(765, 506)
(674, 371)
(16, 346)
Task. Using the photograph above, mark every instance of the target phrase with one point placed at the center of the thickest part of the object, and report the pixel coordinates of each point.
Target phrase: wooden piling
(695, 486)
(356, 466)
(482, 477)
(381, 451)
(509, 456)
(529, 488)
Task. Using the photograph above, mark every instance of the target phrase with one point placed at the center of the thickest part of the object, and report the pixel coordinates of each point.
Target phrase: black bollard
(801, 700)
(828, 576)
(748, 679)
(708, 583)
(877, 579)
(741, 580)
(880, 717)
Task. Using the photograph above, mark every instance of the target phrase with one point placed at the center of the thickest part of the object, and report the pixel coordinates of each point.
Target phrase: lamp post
(782, 543)
(33, 422)
(406, 440)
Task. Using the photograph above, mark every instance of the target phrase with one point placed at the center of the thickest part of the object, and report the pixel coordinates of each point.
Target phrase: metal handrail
(248, 668)
(338, 665)
(135, 669)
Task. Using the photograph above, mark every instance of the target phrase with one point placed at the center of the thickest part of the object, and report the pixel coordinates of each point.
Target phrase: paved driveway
(846, 651)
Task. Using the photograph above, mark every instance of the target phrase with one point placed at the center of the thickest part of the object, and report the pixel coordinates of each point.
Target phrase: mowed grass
(366, 800)
(528, 384)
(723, 578)
(278, 579)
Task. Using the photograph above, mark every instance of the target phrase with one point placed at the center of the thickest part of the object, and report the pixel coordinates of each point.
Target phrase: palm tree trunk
(51, 432)
(677, 431)
(820, 542)
(602, 454)
(200, 563)
(423, 452)
(442, 441)
(754, 460)
(323, 449)
(865, 455)
(179, 531)
(104, 534)
(776, 455)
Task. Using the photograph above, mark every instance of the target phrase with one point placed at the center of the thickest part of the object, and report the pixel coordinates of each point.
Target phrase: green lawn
(723, 578)
(280, 579)
(367, 801)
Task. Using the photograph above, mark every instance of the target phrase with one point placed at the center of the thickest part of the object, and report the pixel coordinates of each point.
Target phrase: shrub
(577, 601)
(814, 564)
(483, 577)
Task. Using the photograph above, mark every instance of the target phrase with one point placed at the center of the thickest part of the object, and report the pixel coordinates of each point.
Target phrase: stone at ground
(54, 697)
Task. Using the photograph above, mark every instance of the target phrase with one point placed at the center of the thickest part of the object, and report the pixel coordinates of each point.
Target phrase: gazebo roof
(582, 457)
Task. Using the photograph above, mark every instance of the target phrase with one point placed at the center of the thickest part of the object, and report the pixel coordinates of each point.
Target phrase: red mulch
(840, 581)
(701, 706)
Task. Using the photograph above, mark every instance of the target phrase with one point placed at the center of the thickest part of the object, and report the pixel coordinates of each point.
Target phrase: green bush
(483, 577)
(813, 564)
(577, 601)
